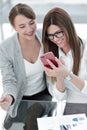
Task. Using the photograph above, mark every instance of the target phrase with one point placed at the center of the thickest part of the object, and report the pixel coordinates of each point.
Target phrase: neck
(25, 42)
(66, 49)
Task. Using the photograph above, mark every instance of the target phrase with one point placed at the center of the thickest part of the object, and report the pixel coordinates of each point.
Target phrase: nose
(28, 28)
(55, 39)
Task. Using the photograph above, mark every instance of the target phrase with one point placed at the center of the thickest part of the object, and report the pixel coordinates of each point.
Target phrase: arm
(78, 82)
(8, 78)
(51, 85)
(62, 84)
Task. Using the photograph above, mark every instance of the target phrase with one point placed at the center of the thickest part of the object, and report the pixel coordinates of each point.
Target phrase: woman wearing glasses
(60, 37)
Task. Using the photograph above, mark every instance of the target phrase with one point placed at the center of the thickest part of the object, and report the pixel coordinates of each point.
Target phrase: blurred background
(76, 8)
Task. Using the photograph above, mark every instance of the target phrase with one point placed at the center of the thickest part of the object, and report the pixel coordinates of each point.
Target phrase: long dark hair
(61, 18)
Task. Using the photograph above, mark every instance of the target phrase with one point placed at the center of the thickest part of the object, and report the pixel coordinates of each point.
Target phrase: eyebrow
(59, 31)
(55, 32)
(24, 23)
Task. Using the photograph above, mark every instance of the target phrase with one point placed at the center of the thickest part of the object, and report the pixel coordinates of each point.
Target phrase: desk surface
(30, 110)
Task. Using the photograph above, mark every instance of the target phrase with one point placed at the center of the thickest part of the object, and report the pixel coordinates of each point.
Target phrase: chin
(61, 45)
(30, 37)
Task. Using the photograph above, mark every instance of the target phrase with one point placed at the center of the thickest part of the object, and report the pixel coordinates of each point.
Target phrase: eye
(59, 34)
(32, 22)
(22, 26)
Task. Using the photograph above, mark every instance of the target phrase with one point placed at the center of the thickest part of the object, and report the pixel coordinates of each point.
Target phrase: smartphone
(51, 57)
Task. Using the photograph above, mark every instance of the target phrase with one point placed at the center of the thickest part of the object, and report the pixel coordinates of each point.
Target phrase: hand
(58, 72)
(5, 102)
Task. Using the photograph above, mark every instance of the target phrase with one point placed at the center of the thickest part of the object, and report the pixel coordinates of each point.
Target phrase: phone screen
(51, 57)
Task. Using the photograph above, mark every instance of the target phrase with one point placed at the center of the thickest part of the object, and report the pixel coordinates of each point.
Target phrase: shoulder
(39, 35)
(7, 43)
(85, 47)
(8, 46)
(84, 43)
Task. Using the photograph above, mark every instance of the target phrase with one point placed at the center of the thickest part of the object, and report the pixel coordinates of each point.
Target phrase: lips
(59, 42)
(30, 33)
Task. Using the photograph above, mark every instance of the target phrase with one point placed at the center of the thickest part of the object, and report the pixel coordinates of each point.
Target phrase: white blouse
(72, 93)
(35, 76)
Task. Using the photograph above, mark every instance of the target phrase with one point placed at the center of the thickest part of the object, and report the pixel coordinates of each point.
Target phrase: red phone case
(51, 57)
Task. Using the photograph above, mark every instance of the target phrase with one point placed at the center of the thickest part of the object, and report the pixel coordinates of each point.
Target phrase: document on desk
(66, 122)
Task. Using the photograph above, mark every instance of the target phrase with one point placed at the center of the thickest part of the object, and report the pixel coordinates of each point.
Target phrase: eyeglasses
(58, 34)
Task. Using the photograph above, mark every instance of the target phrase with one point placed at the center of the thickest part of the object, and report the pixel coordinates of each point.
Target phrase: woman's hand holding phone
(59, 71)
(49, 56)
(53, 66)
(49, 63)
(56, 72)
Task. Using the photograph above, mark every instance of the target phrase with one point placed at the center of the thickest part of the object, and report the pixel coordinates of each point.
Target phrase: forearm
(60, 85)
(60, 96)
(78, 82)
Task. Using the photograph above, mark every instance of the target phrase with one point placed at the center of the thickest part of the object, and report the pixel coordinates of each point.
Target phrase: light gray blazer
(13, 71)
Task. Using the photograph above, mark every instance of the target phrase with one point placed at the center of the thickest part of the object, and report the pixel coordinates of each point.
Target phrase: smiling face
(25, 27)
(59, 37)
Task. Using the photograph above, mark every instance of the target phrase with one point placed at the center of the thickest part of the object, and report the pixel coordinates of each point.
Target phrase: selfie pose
(70, 76)
(23, 77)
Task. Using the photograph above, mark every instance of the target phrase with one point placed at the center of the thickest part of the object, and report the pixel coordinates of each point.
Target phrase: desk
(31, 109)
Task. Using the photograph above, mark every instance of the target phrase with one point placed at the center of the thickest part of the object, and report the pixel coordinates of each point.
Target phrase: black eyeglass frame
(58, 34)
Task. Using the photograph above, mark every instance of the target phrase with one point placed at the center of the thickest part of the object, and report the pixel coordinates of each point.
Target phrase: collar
(62, 54)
